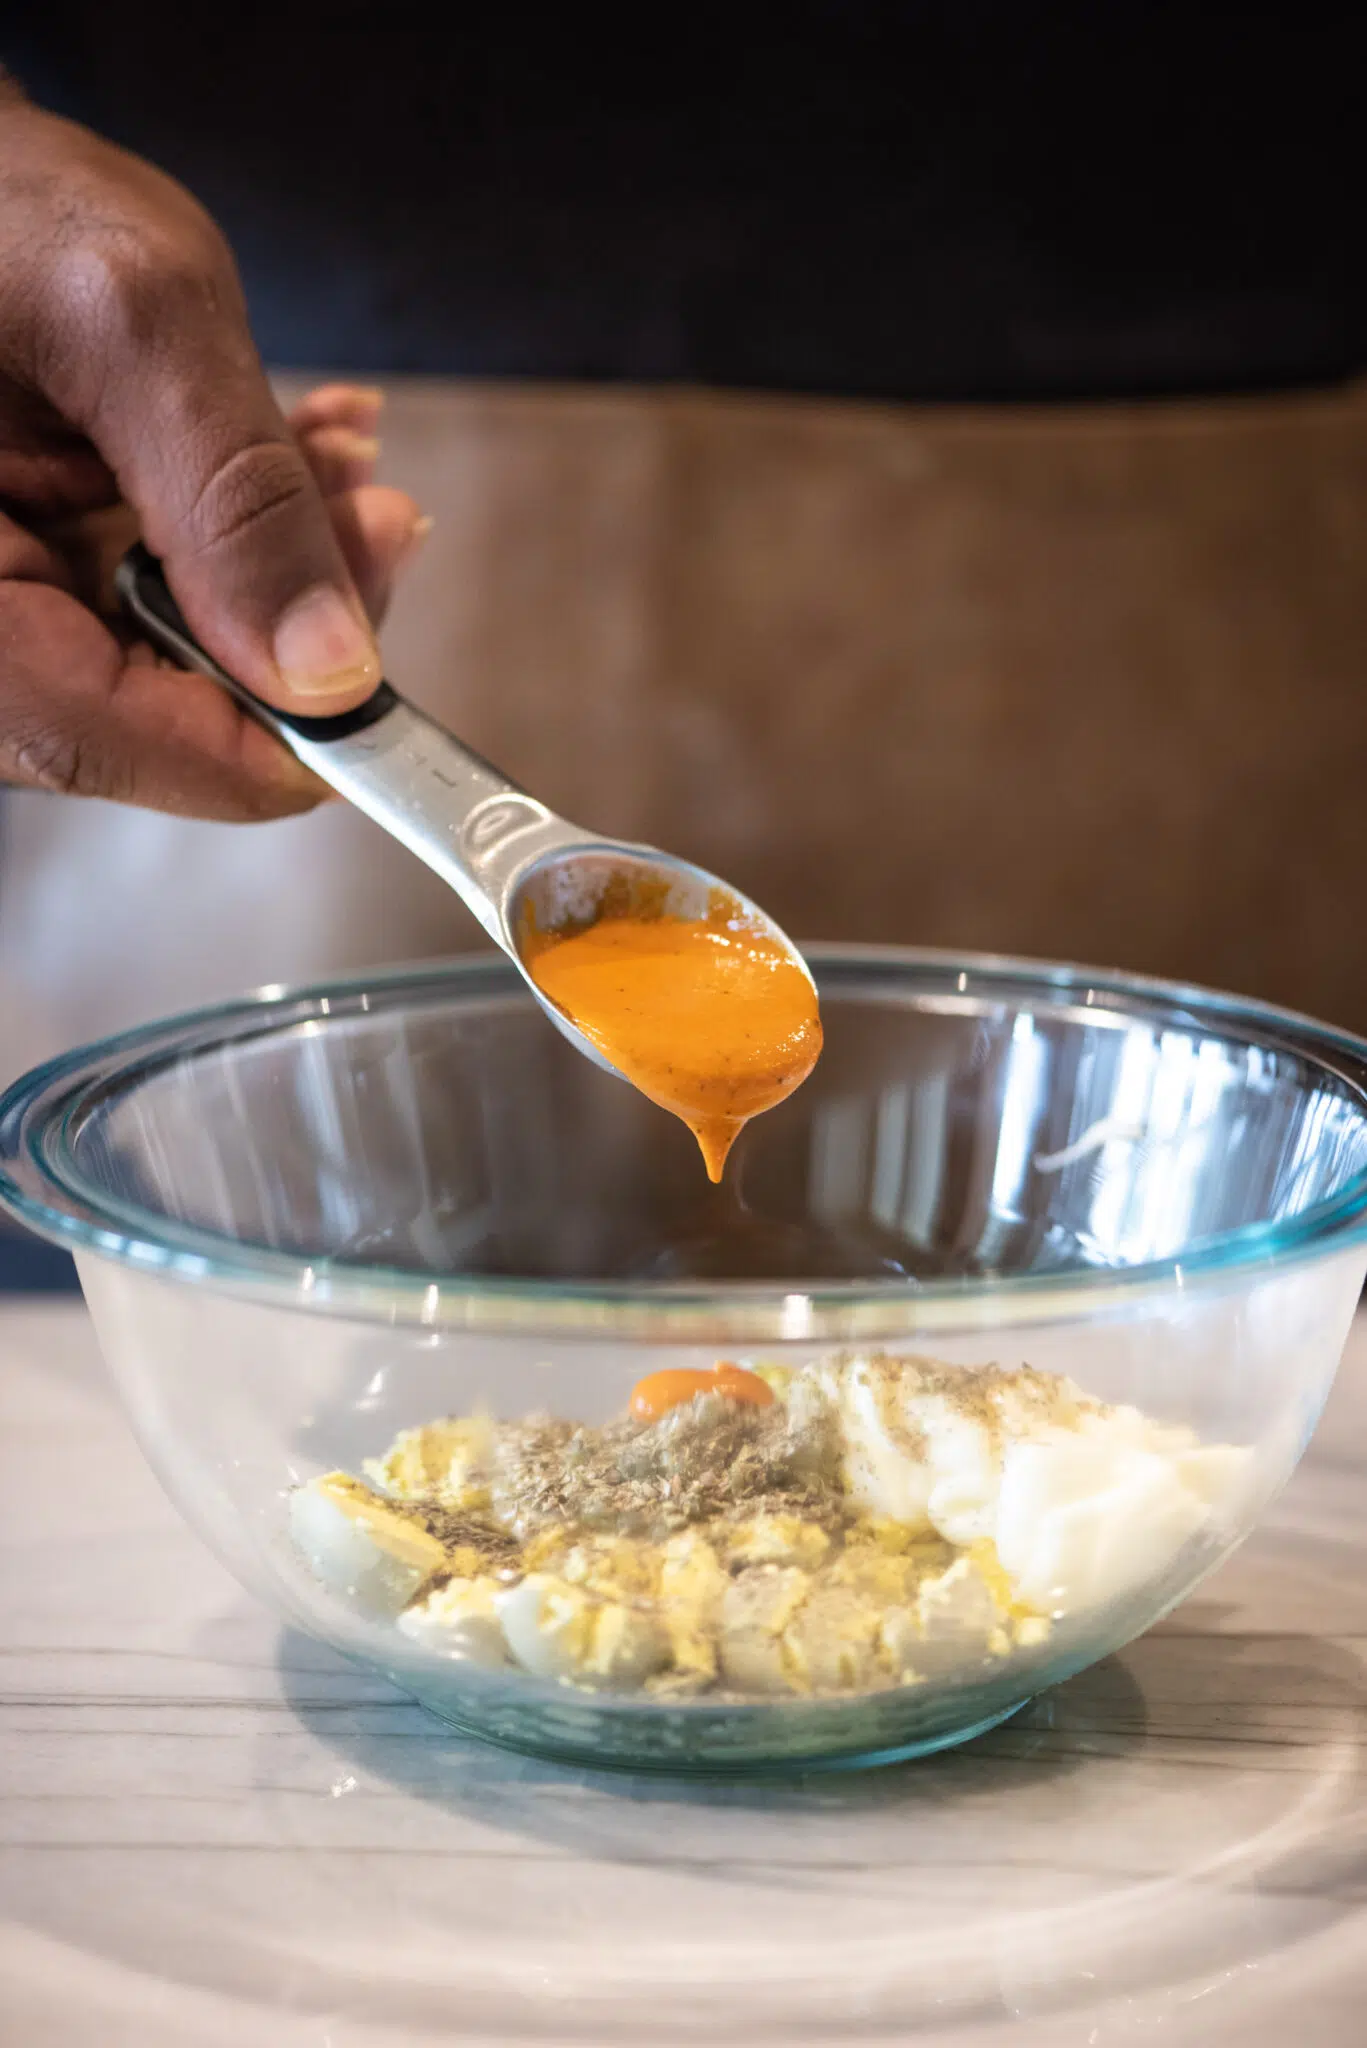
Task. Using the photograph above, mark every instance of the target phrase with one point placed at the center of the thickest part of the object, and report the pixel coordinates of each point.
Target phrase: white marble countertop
(214, 1832)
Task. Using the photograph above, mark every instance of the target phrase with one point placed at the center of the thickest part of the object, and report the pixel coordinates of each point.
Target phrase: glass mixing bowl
(309, 1220)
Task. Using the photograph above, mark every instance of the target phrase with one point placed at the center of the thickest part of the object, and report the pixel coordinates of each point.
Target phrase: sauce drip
(708, 1016)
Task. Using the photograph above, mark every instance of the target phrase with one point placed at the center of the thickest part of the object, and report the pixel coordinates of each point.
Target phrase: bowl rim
(42, 1186)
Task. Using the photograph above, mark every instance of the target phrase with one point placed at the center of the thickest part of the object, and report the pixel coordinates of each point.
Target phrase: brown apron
(1086, 682)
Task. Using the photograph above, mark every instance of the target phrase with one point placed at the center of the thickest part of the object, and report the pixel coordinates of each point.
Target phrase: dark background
(931, 202)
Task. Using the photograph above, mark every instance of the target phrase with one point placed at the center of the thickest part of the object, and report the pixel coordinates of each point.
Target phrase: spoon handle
(406, 772)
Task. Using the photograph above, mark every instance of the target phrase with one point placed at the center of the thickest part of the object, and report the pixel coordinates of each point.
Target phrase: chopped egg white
(558, 1630)
(954, 1622)
(356, 1545)
(692, 1588)
(756, 1612)
(831, 1643)
(460, 1619)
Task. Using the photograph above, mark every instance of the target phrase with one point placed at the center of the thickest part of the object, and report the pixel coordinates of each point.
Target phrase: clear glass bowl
(309, 1220)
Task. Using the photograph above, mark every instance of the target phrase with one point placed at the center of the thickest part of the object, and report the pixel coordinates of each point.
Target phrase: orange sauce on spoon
(708, 1016)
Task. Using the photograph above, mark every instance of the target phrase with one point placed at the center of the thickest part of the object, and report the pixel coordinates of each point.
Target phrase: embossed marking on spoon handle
(470, 824)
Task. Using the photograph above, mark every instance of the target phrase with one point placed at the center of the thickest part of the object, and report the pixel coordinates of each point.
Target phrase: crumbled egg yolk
(692, 1588)
(776, 1539)
(446, 1458)
(617, 1567)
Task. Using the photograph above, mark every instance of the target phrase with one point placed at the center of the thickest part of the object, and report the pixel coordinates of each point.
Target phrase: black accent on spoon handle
(146, 597)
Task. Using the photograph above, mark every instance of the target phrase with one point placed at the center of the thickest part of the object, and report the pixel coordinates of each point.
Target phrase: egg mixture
(859, 1523)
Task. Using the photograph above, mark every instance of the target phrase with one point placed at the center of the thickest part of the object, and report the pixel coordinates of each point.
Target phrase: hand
(132, 399)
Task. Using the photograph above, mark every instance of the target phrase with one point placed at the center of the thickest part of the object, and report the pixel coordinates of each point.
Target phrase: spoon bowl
(572, 885)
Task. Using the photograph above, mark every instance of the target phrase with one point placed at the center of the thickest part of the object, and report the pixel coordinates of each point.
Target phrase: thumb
(227, 500)
(161, 371)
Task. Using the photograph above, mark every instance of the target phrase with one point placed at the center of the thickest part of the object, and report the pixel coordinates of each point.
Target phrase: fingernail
(354, 447)
(321, 647)
(418, 534)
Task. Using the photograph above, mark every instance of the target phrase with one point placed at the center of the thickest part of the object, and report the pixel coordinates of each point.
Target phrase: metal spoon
(503, 852)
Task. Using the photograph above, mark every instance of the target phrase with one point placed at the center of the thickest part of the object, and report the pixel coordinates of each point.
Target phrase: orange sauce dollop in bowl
(676, 1385)
(708, 1016)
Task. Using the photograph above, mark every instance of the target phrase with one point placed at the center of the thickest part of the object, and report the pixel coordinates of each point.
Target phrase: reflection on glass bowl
(1042, 1277)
